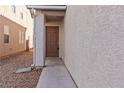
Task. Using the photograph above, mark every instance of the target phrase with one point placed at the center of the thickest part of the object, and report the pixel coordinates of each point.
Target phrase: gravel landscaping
(10, 79)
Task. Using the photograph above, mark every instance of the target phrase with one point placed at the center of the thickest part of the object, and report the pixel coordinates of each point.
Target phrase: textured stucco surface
(61, 40)
(13, 46)
(94, 45)
(27, 21)
(39, 50)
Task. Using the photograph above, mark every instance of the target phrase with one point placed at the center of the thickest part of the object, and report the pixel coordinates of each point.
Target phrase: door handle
(57, 48)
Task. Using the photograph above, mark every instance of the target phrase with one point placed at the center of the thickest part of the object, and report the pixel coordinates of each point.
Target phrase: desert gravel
(10, 79)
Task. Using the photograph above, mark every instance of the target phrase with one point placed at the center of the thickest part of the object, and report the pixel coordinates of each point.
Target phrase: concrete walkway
(55, 75)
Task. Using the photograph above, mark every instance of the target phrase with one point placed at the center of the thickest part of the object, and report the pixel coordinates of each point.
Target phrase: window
(14, 8)
(21, 37)
(22, 16)
(6, 34)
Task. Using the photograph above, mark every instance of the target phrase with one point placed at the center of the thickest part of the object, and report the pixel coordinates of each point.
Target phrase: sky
(61, 2)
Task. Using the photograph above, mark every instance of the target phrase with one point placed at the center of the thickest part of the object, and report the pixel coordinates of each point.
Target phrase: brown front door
(52, 41)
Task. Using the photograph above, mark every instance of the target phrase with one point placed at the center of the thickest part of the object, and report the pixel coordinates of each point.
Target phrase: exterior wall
(39, 48)
(27, 21)
(94, 45)
(13, 46)
(0, 37)
(51, 23)
(61, 41)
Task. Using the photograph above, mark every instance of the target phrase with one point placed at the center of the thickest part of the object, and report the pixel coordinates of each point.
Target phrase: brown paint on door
(52, 41)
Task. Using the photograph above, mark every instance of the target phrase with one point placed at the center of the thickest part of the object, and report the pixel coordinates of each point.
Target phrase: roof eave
(47, 7)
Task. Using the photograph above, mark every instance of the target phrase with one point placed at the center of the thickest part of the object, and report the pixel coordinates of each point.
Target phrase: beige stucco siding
(61, 40)
(0, 36)
(94, 45)
(27, 21)
(13, 46)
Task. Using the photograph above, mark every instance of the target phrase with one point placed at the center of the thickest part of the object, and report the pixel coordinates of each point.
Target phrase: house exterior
(12, 37)
(90, 41)
(16, 30)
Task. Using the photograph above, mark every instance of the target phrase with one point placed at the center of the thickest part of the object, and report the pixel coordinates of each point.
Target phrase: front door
(52, 41)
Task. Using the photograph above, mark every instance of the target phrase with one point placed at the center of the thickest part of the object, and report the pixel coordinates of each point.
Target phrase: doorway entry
(52, 41)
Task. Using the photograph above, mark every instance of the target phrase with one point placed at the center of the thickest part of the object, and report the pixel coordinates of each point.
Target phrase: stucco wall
(94, 45)
(13, 46)
(61, 40)
(0, 37)
(39, 50)
(27, 21)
